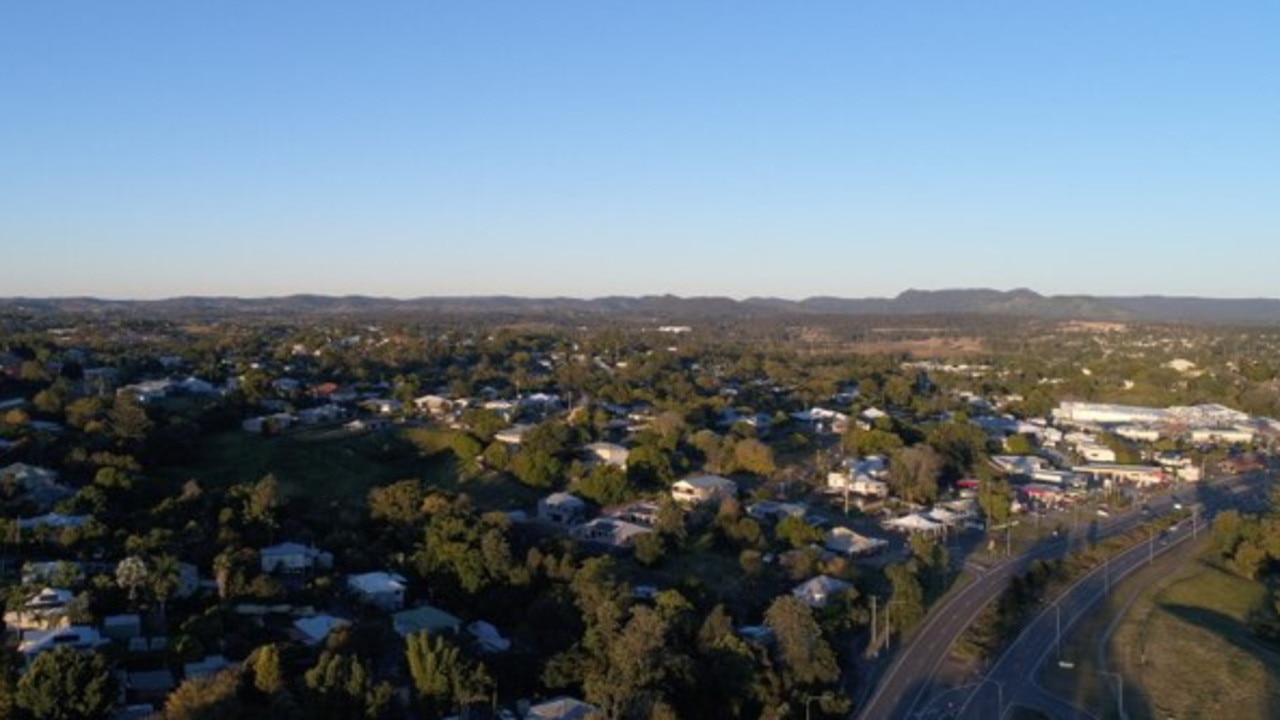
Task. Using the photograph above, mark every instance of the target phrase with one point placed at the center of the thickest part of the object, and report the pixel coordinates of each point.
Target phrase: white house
(1096, 453)
(315, 629)
(608, 454)
(379, 589)
(293, 557)
(80, 637)
(703, 488)
(915, 523)
(53, 520)
(48, 609)
(41, 485)
(513, 435)
(563, 708)
(562, 509)
(610, 531)
(847, 542)
(817, 592)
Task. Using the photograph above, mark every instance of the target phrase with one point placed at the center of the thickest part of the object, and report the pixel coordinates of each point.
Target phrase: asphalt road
(909, 681)
(1013, 679)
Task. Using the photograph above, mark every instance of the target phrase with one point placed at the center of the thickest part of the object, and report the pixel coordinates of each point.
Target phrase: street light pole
(1057, 643)
(1119, 691)
(810, 698)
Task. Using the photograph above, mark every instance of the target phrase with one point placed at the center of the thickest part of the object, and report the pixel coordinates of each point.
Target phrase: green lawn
(1183, 647)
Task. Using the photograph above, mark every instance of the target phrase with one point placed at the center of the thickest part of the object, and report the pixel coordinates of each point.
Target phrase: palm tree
(166, 576)
(132, 574)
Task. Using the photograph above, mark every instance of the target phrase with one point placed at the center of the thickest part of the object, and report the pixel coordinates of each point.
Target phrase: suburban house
(322, 414)
(846, 542)
(41, 486)
(293, 557)
(488, 637)
(53, 520)
(915, 523)
(513, 435)
(618, 534)
(315, 629)
(48, 609)
(379, 589)
(206, 667)
(80, 637)
(773, 511)
(267, 424)
(562, 509)
(563, 708)
(605, 453)
(434, 405)
(817, 592)
(639, 513)
(122, 628)
(703, 488)
(427, 618)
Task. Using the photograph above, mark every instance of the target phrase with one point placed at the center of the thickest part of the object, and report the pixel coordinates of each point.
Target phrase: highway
(907, 684)
(1012, 681)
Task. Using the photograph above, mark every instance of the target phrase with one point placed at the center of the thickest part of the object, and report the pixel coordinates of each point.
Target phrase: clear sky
(554, 147)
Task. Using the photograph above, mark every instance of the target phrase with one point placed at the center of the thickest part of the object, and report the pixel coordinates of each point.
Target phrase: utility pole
(874, 650)
(1057, 606)
(1195, 521)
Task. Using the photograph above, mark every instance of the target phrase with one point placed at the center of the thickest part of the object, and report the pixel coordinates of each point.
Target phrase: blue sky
(153, 149)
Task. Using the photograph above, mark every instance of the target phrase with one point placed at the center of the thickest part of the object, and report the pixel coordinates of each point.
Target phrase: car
(1103, 513)
(1177, 505)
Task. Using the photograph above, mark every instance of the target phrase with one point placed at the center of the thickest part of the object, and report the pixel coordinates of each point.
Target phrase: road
(910, 678)
(1013, 679)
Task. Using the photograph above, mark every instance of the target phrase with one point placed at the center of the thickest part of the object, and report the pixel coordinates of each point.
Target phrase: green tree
(537, 468)
(263, 502)
(649, 549)
(995, 497)
(128, 420)
(164, 579)
(865, 443)
(604, 485)
(962, 445)
(132, 574)
(914, 473)
(803, 655)
(796, 532)
(751, 455)
(438, 670)
(65, 684)
(906, 608)
(268, 676)
(214, 697)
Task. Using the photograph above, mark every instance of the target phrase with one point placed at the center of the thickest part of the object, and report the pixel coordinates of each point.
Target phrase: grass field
(336, 467)
(1182, 645)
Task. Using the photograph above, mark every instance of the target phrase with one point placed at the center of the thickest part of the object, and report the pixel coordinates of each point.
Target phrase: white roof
(317, 627)
(844, 540)
(562, 708)
(50, 597)
(914, 523)
(713, 482)
(563, 498)
(376, 583)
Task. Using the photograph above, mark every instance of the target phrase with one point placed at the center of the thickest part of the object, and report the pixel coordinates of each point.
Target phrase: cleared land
(1181, 643)
(327, 466)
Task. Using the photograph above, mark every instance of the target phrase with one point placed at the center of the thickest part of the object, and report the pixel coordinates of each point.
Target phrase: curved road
(1013, 679)
(911, 676)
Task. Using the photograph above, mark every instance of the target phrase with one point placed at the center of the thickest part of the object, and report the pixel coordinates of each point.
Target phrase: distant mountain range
(1020, 302)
